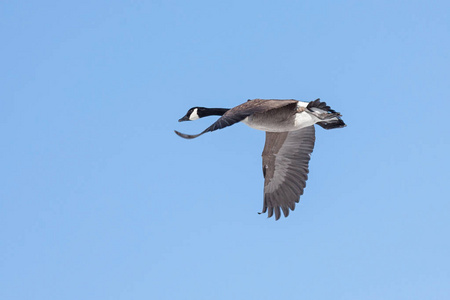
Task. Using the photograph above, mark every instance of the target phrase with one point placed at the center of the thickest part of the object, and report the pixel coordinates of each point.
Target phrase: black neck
(213, 111)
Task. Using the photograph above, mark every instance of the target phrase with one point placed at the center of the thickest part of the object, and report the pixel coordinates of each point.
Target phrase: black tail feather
(334, 120)
(321, 105)
(332, 124)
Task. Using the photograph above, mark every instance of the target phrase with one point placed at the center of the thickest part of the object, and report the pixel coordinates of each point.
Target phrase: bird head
(193, 114)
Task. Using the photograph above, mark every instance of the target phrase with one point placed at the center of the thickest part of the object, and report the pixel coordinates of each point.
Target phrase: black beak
(185, 118)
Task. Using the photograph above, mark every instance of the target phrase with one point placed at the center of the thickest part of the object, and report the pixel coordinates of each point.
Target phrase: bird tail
(331, 118)
(331, 124)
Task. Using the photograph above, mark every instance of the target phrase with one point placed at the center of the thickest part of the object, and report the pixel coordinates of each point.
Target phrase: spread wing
(240, 112)
(285, 167)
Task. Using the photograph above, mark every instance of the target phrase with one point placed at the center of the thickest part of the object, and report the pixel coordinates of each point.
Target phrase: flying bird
(290, 137)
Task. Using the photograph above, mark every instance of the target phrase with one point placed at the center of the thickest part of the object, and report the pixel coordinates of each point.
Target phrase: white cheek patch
(194, 115)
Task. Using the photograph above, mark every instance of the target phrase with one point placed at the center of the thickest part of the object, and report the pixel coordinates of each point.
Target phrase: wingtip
(178, 133)
(269, 217)
(183, 135)
(188, 136)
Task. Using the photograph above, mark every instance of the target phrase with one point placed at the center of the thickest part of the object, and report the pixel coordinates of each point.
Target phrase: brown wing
(285, 167)
(240, 112)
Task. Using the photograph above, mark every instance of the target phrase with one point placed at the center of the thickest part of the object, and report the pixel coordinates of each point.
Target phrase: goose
(290, 138)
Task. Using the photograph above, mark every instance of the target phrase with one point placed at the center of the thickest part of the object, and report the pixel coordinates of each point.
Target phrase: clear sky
(99, 199)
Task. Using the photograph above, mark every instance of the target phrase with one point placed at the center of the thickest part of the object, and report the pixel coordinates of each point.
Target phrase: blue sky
(99, 199)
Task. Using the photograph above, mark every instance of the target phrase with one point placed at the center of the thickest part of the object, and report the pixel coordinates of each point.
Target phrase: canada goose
(290, 137)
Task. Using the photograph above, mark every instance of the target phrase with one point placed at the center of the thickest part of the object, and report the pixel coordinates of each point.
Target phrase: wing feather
(286, 158)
